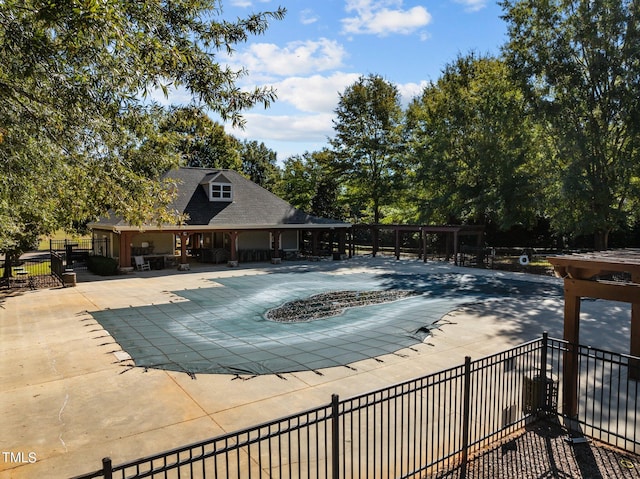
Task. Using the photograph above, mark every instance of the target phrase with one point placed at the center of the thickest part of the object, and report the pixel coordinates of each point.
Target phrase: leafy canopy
(579, 62)
(77, 136)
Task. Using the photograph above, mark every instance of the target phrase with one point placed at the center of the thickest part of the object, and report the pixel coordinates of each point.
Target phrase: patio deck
(68, 398)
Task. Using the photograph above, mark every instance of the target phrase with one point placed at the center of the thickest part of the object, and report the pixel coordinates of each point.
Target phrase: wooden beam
(613, 291)
(634, 365)
(570, 359)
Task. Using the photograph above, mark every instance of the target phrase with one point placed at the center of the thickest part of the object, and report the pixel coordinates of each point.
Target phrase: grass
(58, 235)
(33, 268)
(512, 263)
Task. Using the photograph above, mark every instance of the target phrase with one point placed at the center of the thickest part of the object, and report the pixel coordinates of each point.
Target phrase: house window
(221, 192)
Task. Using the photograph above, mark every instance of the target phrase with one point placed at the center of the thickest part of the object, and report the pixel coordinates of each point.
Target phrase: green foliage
(76, 137)
(474, 148)
(102, 266)
(298, 181)
(578, 63)
(309, 184)
(259, 164)
(367, 145)
(201, 142)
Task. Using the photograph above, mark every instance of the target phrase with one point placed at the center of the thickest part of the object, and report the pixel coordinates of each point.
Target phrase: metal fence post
(106, 468)
(465, 416)
(335, 437)
(544, 398)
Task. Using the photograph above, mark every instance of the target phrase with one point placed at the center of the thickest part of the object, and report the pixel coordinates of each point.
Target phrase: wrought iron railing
(74, 253)
(416, 427)
(34, 272)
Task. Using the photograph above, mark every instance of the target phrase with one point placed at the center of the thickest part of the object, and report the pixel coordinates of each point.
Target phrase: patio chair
(141, 265)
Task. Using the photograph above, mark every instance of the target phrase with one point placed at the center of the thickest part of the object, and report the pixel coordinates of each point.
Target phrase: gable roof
(252, 207)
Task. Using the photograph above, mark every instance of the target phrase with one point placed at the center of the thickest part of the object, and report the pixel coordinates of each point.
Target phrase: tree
(73, 76)
(475, 149)
(579, 63)
(259, 164)
(309, 184)
(367, 144)
(202, 142)
(327, 200)
(298, 181)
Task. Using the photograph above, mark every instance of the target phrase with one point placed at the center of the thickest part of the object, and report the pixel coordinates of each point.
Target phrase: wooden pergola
(452, 234)
(583, 277)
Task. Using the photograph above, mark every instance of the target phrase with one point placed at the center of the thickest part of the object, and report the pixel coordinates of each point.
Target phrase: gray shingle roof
(252, 205)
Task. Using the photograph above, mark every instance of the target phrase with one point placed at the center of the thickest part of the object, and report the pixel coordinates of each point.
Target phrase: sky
(323, 46)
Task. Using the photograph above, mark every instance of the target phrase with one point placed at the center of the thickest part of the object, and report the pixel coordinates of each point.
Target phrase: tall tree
(309, 183)
(475, 148)
(72, 78)
(579, 63)
(202, 142)
(328, 197)
(298, 181)
(259, 163)
(367, 143)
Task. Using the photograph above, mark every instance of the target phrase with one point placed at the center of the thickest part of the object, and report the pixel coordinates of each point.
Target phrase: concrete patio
(70, 397)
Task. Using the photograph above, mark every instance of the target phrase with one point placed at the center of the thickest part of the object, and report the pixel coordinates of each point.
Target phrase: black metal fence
(417, 427)
(32, 273)
(74, 253)
(608, 398)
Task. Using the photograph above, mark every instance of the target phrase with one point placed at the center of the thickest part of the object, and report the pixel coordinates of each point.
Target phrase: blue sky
(322, 46)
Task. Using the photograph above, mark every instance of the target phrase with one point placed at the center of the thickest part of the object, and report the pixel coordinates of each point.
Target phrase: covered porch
(176, 247)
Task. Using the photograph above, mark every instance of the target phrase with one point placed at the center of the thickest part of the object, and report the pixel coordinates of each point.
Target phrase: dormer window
(220, 192)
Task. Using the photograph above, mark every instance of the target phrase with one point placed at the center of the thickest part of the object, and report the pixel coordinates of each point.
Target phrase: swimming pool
(223, 328)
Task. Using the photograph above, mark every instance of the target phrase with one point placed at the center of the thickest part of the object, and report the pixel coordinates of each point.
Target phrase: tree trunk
(601, 240)
(8, 266)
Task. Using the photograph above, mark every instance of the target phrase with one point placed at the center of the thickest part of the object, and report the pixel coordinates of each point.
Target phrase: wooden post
(424, 244)
(374, 237)
(276, 245)
(125, 249)
(455, 248)
(233, 245)
(570, 358)
(634, 365)
(342, 242)
(183, 247)
(397, 243)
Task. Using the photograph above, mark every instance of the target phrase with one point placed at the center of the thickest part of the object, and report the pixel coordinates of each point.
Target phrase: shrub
(102, 265)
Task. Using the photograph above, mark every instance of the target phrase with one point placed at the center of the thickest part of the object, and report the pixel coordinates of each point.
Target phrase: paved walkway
(69, 397)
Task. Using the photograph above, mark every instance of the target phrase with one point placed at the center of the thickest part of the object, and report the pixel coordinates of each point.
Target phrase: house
(229, 218)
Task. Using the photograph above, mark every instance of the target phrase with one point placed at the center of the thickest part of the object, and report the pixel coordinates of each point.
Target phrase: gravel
(329, 304)
(543, 451)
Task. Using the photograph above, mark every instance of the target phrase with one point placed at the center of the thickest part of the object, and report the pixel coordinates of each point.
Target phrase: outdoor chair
(141, 265)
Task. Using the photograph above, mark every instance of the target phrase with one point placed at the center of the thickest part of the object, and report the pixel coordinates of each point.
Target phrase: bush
(102, 265)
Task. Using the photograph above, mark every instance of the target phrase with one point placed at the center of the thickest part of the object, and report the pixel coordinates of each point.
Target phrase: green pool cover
(223, 329)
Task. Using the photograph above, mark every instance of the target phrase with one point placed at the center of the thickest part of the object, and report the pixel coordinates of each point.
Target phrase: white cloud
(318, 94)
(299, 128)
(308, 16)
(384, 17)
(245, 3)
(473, 5)
(296, 58)
(408, 91)
(175, 96)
